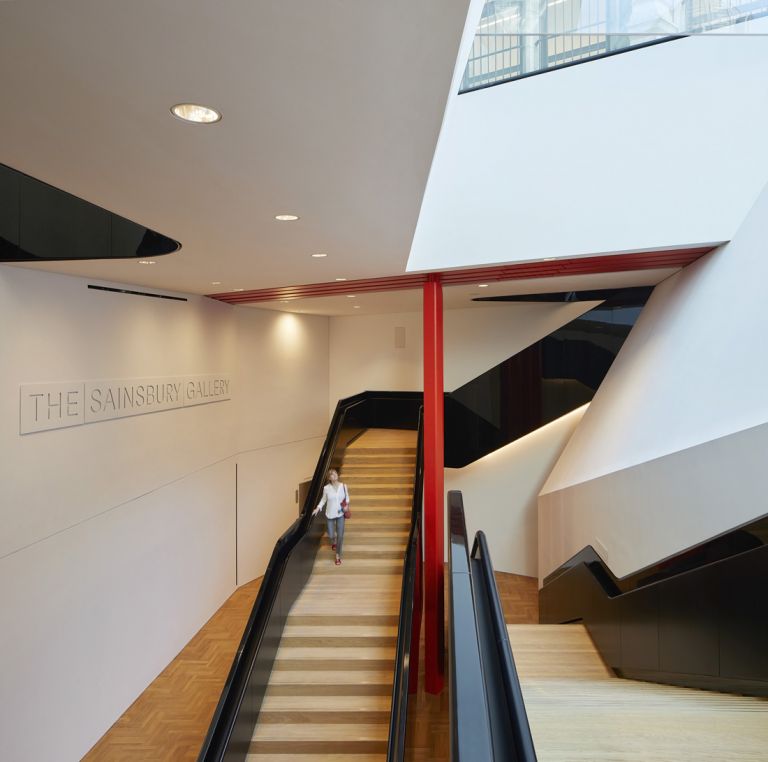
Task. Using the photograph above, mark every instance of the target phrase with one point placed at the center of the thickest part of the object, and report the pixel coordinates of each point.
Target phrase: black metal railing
(510, 724)
(410, 605)
(290, 565)
(487, 712)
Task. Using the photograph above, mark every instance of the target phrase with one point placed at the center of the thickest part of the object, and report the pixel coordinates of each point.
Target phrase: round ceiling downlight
(196, 113)
(286, 217)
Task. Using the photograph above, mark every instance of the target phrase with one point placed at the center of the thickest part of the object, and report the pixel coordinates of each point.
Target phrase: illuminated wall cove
(55, 406)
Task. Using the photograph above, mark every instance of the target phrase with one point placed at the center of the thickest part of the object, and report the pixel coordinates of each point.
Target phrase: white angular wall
(653, 148)
(671, 451)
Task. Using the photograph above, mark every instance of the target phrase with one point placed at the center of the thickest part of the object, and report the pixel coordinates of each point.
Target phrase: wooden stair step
(338, 630)
(382, 493)
(383, 469)
(398, 540)
(342, 621)
(324, 664)
(388, 554)
(370, 703)
(383, 449)
(290, 750)
(361, 480)
(361, 456)
(328, 567)
(308, 757)
(337, 639)
(294, 689)
(327, 716)
(338, 733)
(331, 677)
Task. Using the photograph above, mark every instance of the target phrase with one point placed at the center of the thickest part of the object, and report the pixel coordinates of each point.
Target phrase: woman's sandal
(333, 547)
(338, 562)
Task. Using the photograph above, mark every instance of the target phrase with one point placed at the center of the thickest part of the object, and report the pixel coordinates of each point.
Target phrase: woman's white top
(333, 498)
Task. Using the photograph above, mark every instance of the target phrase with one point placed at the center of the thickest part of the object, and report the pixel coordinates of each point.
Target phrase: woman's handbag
(345, 505)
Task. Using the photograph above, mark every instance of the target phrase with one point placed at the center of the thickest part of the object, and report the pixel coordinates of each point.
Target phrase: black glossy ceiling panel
(40, 223)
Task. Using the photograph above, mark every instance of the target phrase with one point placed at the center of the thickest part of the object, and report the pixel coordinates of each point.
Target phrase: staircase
(330, 691)
(579, 710)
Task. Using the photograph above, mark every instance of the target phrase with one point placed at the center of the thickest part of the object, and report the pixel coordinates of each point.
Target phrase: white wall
(283, 380)
(364, 356)
(118, 538)
(657, 147)
(670, 452)
(500, 493)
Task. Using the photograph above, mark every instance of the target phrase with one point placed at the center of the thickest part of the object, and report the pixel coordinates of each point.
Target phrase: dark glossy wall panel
(41, 223)
(639, 627)
(9, 213)
(744, 619)
(688, 614)
(706, 627)
(540, 384)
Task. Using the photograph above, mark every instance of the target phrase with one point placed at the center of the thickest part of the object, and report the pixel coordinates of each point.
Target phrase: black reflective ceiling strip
(611, 297)
(40, 223)
(138, 293)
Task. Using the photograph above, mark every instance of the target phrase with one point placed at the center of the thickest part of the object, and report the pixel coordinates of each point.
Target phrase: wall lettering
(59, 405)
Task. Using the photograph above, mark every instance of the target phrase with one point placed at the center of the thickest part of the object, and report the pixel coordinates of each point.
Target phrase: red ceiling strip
(541, 269)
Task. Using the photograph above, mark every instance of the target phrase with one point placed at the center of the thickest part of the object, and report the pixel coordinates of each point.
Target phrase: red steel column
(434, 500)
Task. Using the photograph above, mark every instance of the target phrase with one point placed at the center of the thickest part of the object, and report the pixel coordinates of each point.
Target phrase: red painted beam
(542, 269)
(434, 500)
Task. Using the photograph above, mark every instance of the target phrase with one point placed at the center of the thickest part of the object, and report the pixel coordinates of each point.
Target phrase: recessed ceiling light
(357, 306)
(195, 113)
(287, 217)
(147, 262)
(319, 256)
(351, 296)
(215, 282)
(238, 289)
(482, 285)
(340, 278)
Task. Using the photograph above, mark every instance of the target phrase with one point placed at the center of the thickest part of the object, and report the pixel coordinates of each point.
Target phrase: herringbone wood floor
(168, 722)
(170, 719)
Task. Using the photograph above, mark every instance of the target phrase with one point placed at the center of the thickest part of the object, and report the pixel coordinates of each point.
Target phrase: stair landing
(580, 712)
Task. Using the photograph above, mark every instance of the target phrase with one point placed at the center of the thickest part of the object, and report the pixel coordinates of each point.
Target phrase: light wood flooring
(330, 690)
(168, 722)
(579, 711)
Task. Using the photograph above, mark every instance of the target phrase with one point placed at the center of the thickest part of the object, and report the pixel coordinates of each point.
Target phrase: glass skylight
(516, 38)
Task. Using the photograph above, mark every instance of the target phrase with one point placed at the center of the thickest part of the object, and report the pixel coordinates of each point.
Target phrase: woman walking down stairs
(330, 691)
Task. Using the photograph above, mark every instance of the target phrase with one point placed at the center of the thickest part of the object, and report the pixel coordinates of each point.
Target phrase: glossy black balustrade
(697, 619)
(487, 713)
(41, 223)
(289, 568)
(546, 380)
(407, 649)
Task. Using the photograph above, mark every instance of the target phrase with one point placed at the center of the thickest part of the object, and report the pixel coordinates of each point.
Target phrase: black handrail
(471, 739)
(488, 718)
(261, 632)
(515, 705)
(399, 712)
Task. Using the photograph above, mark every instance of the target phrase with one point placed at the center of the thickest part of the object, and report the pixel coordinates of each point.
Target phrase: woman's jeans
(336, 532)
